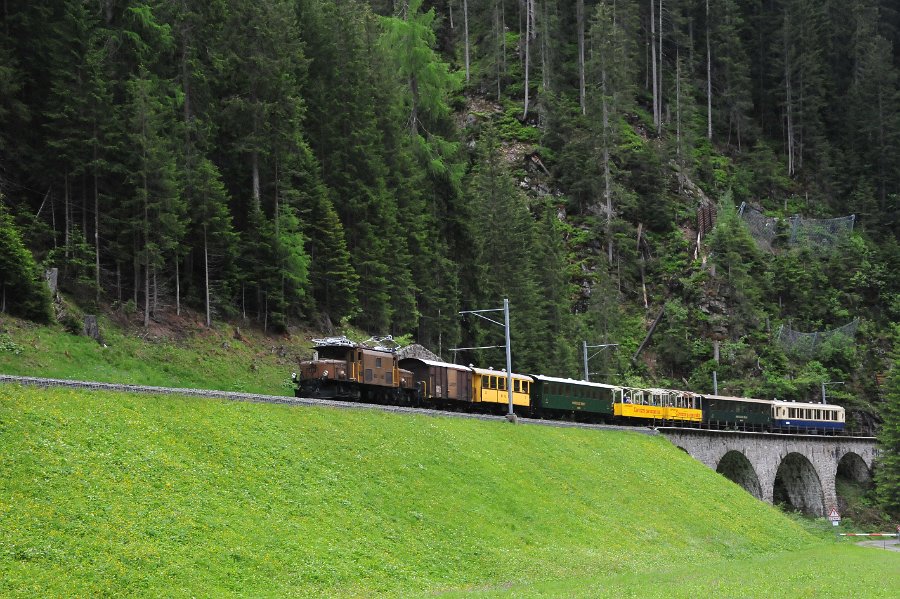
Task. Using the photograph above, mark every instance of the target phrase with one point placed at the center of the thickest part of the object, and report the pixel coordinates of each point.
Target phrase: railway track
(297, 401)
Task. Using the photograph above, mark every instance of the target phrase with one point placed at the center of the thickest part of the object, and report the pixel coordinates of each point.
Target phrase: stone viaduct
(802, 470)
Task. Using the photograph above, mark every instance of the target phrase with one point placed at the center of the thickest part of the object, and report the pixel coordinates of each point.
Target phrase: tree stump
(51, 275)
(92, 329)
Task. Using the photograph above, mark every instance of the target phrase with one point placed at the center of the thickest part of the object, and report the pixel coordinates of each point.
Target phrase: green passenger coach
(739, 412)
(568, 395)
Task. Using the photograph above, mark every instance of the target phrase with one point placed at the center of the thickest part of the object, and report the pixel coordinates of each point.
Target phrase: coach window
(368, 374)
(516, 386)
(377, 362)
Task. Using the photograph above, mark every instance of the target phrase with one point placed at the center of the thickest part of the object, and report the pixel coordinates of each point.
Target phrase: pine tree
(556, 293)
(730, 72)
(798, 48)
(211, 232)
(736, 256)
(22, 290)
(504, 257)
(82, 123)
(873, 124)
(159, 209)
(333, 279)
(888, 472)
(611, 78)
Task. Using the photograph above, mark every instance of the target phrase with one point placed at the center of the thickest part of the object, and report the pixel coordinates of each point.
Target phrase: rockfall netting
(808, 344)
(796, 229)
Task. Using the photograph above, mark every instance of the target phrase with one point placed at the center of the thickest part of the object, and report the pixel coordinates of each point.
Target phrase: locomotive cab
(343, 369)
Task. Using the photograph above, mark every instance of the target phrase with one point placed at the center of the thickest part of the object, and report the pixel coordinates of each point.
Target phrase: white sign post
(834, 516)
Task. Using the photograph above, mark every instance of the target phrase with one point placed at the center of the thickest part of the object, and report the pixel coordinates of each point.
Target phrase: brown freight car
(440, 382)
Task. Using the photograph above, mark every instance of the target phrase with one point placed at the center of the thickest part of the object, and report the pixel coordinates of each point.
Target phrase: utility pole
(830, 383)
(585, 346)
(505, 324)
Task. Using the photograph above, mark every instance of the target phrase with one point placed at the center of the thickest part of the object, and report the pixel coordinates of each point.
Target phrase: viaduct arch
(799, 469)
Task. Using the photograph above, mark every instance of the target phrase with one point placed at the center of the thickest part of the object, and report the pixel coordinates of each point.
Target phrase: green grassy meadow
(838, 571)
(110, 494)
(191, 356)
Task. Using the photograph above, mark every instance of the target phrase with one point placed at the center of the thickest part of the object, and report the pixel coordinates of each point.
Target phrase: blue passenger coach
(801, 417)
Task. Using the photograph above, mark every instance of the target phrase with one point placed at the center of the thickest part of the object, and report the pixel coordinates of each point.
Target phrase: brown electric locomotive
(343, 369)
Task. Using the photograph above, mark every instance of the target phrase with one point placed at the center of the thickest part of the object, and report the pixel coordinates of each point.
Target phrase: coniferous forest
(722, 175)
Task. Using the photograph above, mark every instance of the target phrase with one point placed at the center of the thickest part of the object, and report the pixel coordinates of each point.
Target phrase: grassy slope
(824, 571)
(204, 358)
(112, 494)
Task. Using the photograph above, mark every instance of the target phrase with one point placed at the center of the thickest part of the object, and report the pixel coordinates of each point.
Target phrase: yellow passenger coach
(490, 387)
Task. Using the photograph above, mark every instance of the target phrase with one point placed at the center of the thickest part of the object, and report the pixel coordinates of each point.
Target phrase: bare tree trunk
(255, 166)
(466, 34)
(53, 218)
(84, 207)
(277, 207)
(799, 129)
(206, 276)
(96, 234)
(501, 46)
(690, 42)
(708, 78)
(656, 115)
(146, 295)
(607, 192)
(646, 59)
(788, 100)
(545, 50)
(529, 29)
(119, 282)
(503, 33)
(146, 252)
(882, 188)
(66, 211)
(678, 151)
(660, 63)
(155, 292)
(3, 302)
(137, 271)
(414, 109)
(177, 287)
(579, 15)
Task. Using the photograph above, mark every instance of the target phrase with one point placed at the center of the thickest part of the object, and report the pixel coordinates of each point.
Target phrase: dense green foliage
(888, 474)
(388, 164)
(122, 494)
(21, 285)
